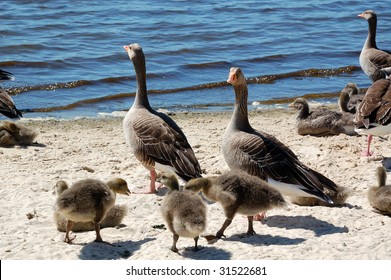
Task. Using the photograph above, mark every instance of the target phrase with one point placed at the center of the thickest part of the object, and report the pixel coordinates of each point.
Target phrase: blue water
(65, 54)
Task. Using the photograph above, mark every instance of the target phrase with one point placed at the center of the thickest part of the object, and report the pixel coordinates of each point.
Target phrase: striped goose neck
(370, 42)
(240, 115)
(141, 99)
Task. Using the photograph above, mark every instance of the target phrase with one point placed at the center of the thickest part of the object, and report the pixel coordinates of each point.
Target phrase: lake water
(68, 60)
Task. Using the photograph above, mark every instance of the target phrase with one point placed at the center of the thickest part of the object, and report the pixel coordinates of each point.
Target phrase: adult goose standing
(262, 155)
(373, 115)
(7, 105)
(321, 121)
(375, 63)
(154, 138)
(349, 98)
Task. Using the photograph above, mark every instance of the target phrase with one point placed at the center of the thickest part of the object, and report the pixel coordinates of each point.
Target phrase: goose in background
(260, 154)
(184, 212)
(88, 200)
(153, 137)
(349, 98)
(113, 218)
(379, 196)
(237, 192)
(12, 134)
(375, 63)
(373, 116)
(7, 105)
(321, 121)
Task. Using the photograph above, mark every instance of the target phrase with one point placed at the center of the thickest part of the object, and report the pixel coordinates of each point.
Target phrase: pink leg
(368, 152)
(152, 186)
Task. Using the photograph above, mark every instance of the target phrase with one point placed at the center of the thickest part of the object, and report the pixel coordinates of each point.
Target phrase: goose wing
(160, 142)
(263, 155)
(7, 106)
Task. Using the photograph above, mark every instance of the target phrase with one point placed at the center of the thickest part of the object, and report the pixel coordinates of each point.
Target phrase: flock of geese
(263, 170)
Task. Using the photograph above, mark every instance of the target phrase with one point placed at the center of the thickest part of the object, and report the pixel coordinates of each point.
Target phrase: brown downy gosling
(113, 218)
(339, 197)
(379, 197)
(89, 200)
(12, 134)
(237, 192)
(184, 212)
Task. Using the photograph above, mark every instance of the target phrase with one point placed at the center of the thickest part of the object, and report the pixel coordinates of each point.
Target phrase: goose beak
(361, 15)
(231, 78)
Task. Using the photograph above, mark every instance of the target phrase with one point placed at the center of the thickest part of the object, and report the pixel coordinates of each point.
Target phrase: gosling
(379, 197)
(113, 218)
(12, 134)
(339, 198)
(237, 192)
(89, 200)
(183, 212)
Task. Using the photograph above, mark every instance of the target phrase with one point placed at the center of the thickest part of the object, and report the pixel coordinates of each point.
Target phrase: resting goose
(260, 154)
(375, 63)
(154, 138)
(349, 98)
(183, 211)
(373, 115)
(321, 121)
(339, 197)
(379, 197)
(7, 106)
(12, 134)
(113, 217)
(88, 200)
(237, 192)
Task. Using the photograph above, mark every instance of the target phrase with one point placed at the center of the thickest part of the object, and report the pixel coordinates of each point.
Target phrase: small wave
(263, 79)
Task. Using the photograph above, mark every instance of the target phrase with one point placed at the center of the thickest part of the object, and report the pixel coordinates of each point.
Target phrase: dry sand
(95, 148)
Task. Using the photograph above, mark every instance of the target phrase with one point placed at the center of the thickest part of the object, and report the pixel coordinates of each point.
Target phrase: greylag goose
(154, 138)
(183, 211)
(379, 197)
(88, 200)
(12, 134)
(262, 155)
(349, 98)
(373, 116)
(321, 121)
(7, 106)
(375, 63)
(237, 192)
(113, 217)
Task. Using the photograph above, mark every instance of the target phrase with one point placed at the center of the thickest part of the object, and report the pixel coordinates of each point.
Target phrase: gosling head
(119, 185)
(169, 180)
(197, 185)
(60, 187)
(381, 175)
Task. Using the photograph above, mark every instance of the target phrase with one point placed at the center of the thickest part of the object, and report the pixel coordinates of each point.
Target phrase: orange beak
(231, 78)
(361, 15)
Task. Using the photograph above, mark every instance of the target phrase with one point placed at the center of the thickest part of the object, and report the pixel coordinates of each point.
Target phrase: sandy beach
(95, 148)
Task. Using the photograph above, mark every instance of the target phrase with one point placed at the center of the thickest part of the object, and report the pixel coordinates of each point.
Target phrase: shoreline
(74, 149)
